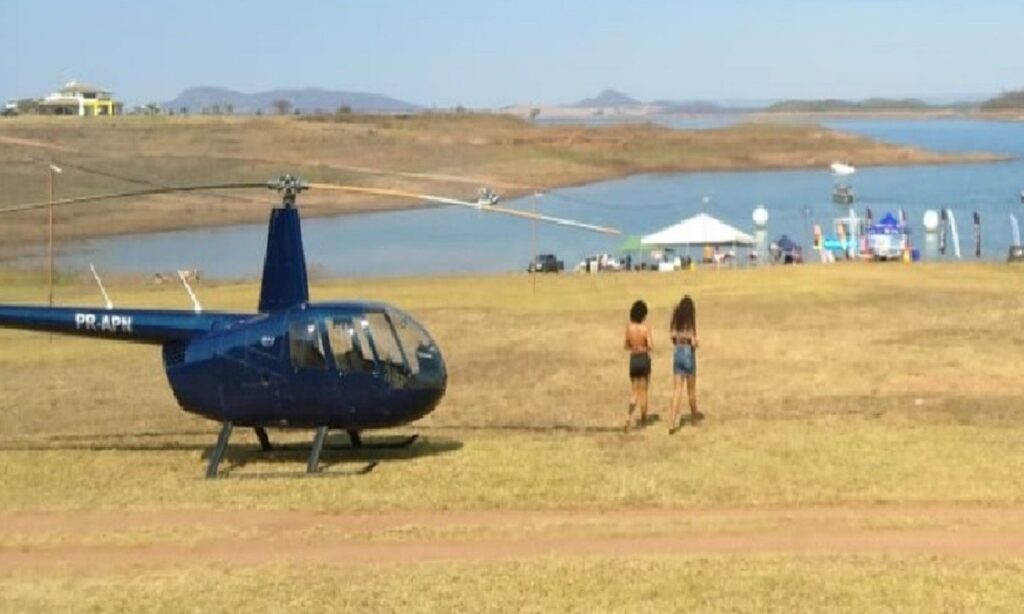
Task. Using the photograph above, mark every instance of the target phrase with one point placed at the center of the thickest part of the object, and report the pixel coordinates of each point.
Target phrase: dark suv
(545, 263)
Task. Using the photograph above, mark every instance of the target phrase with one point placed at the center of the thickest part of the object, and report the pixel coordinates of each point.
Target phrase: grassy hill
(832, 105)
(1012, 101)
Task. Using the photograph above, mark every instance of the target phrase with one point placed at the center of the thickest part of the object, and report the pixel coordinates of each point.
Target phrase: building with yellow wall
(80, 99)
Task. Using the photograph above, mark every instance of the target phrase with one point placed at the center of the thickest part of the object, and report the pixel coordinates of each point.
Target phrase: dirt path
(111, 541)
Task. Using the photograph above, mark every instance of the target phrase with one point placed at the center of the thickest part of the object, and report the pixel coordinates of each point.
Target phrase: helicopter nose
(432, 373)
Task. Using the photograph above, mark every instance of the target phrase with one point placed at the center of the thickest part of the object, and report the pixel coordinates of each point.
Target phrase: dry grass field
(450, 155)
(862, 451)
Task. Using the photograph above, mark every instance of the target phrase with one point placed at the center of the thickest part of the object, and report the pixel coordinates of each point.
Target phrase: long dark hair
(685, 315)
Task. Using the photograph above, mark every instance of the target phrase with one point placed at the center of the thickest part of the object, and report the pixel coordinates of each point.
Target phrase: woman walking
(640, 344)
(683, 331)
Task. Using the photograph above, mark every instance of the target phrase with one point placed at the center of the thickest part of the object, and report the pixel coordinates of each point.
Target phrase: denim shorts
(683, 361)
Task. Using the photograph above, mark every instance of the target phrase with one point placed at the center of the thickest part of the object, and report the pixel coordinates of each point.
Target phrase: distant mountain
(1007, 100)
(608, 98)
(832, 105)
(307, 100)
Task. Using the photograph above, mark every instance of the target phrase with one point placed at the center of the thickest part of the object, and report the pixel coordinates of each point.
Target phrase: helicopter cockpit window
(393, 364)
(347, 347)
(420, 351)
(306, 345)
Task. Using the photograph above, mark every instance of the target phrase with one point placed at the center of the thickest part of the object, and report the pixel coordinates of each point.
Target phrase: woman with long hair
(639, 344)
(683, 331)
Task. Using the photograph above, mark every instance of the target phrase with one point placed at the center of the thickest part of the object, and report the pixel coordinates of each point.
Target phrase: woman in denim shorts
(683, 332)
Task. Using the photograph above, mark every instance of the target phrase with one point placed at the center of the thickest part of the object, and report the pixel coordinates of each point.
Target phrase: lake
(453, 241)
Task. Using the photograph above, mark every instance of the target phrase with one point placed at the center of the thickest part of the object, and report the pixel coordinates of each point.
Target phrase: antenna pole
(49, 227)
(533, 243)
(103, 290)
(52, 189)
(195, 301)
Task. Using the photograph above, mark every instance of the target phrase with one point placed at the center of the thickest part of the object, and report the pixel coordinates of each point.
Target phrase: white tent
(701, 229)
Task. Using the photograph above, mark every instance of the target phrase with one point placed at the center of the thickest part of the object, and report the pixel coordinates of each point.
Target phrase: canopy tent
(889, 224)
(701, 229)
(631, 245)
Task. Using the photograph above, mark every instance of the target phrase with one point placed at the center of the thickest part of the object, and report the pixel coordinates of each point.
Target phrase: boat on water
(842, 194)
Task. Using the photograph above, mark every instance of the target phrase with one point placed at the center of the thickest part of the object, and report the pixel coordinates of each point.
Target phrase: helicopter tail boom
(137, 325)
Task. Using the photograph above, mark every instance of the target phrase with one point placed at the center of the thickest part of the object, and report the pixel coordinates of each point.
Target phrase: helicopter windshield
(349, 346)
(387, 342)
(420, 351)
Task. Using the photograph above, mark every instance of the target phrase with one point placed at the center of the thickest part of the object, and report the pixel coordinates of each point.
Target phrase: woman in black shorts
(640, 344)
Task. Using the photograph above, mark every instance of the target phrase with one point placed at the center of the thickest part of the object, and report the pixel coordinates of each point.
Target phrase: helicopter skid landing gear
(313, 462)
(318, 446)
(261, 434)
(359, 444)
(218, 450)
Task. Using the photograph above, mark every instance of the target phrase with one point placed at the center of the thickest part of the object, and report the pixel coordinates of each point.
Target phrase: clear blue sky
(445, 52)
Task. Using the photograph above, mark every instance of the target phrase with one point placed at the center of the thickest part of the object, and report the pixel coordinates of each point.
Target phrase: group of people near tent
(717, 241)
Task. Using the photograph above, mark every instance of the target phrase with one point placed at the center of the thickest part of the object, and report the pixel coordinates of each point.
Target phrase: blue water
(453, 240)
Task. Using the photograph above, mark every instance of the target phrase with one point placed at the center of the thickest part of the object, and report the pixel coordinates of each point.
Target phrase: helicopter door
(251, 378)
(349, 346)
(392, 365)
(309, 392)
(358, 383)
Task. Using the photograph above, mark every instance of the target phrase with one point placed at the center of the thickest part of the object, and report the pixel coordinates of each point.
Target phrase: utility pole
(533, 243)
(53, 171)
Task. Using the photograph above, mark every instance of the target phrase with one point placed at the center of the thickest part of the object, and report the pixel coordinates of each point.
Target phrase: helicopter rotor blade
(62, 163)
(367, 170)
(321, 186)
(462, 203)
(148, 192)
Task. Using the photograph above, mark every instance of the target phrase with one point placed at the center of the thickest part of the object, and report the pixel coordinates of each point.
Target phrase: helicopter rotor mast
(288, 186)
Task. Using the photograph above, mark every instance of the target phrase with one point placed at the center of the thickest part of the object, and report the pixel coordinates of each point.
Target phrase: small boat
(842, 194)
(486, 197)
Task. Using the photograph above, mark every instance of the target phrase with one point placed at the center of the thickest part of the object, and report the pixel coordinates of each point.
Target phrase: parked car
(545, 263)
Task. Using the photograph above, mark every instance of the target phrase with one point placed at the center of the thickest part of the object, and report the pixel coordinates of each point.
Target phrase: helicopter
(346, 365)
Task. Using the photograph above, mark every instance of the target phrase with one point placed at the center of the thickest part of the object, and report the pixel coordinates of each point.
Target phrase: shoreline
(19, 249)
(451, 155)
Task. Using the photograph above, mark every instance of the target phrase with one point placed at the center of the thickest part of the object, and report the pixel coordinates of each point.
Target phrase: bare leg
(677, 397)
(691, 392)
(645, 382)
(634, 396)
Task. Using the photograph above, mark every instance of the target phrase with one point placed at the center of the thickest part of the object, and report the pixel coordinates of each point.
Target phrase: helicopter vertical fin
(285, 283)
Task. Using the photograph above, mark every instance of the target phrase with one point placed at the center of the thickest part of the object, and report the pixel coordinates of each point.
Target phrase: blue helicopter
(346, 366)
